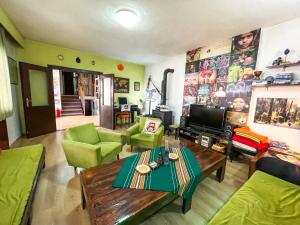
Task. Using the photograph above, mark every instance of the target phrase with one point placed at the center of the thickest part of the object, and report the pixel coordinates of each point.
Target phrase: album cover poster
(222, 64)
(238, 104)
(243, 57)
(220, 90)
(207, 71)
(206, 79)
(204, 93)
(191, 79)
(190, 67)
(190, 88)
(237, 118)
(193, 55)
(239, 89)
(238, 96)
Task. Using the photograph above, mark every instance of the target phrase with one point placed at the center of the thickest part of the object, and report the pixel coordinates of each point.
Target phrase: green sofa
(20, 169)
(85, 146)
(263, 199)
(135, 137)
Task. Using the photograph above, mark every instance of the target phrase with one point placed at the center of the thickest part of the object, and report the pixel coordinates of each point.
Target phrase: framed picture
(13, 70)
(121, 85)
(137, 86)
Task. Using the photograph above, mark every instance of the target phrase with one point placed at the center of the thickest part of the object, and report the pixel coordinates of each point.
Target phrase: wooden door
(4, 143)
(107, 101)
(38, 99)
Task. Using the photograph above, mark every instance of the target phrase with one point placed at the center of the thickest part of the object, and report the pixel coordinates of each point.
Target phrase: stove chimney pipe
(164, 86)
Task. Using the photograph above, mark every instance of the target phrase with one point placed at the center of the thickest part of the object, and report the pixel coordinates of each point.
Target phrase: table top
(108, 205)
(272, 153)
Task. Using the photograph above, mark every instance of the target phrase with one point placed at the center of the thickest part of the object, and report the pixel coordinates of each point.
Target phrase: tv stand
(190, 133)
(187, 132)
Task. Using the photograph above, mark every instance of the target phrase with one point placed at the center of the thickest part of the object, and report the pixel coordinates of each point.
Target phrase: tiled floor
(65, 122)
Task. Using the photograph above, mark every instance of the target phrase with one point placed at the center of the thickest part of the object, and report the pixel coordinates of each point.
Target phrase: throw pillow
(151, 126)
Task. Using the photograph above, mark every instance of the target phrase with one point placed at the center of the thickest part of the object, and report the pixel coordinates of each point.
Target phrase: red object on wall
(57, 112)
(120, 67)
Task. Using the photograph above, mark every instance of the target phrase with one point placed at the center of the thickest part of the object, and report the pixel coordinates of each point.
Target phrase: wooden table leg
(176, 133)
(83, 201)
(186, 205)
(221, 173)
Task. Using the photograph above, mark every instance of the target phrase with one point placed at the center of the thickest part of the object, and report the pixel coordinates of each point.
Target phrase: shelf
(284, 65)
(274, 85)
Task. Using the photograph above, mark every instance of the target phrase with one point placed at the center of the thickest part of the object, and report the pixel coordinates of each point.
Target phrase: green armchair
(135, 137)
(85, 146)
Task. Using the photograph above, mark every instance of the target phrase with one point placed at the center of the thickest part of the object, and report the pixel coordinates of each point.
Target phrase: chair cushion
(142, 139)
(109, 147)
(86, 133)
(18, 169)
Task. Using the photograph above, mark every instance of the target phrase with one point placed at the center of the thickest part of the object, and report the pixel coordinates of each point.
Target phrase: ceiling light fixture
(127, 18)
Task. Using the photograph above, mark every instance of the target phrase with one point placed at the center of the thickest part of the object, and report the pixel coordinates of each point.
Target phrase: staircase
(71, 105)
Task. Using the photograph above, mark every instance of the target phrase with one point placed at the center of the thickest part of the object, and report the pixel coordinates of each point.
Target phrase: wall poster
(282, 112)
(223, 80)
(121, 85)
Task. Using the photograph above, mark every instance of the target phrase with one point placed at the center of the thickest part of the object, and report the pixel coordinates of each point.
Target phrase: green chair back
(86, 133)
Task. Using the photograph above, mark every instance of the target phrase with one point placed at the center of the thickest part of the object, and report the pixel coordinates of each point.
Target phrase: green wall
(46, 54)
(10, 28)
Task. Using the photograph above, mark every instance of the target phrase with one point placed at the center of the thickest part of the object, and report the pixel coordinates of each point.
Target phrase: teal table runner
(181, 176)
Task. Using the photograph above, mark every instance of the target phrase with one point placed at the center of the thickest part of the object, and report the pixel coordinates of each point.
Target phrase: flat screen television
(206, 118)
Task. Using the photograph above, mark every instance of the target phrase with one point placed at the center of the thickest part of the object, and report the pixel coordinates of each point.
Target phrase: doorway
(76, 96)
(43, 92)
(69, 83)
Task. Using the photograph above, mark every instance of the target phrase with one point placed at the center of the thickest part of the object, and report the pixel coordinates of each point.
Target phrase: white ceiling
(167, 27)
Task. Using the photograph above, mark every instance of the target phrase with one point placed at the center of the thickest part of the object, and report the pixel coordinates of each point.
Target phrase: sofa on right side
(265, 198)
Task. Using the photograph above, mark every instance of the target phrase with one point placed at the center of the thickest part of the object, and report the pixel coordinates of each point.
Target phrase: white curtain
(6, 105)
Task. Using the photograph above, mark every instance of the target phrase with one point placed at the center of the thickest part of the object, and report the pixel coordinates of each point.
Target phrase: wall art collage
(282, 112)
(223, 80)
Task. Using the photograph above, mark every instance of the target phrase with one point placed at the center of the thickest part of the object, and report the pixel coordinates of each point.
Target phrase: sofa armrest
(110, 136)
(158, 135)
(81, 154)
(279, 168)
(133, 130)
(160, 130)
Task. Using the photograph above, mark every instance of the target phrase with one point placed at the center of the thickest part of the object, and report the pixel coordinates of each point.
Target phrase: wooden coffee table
(108, 205)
